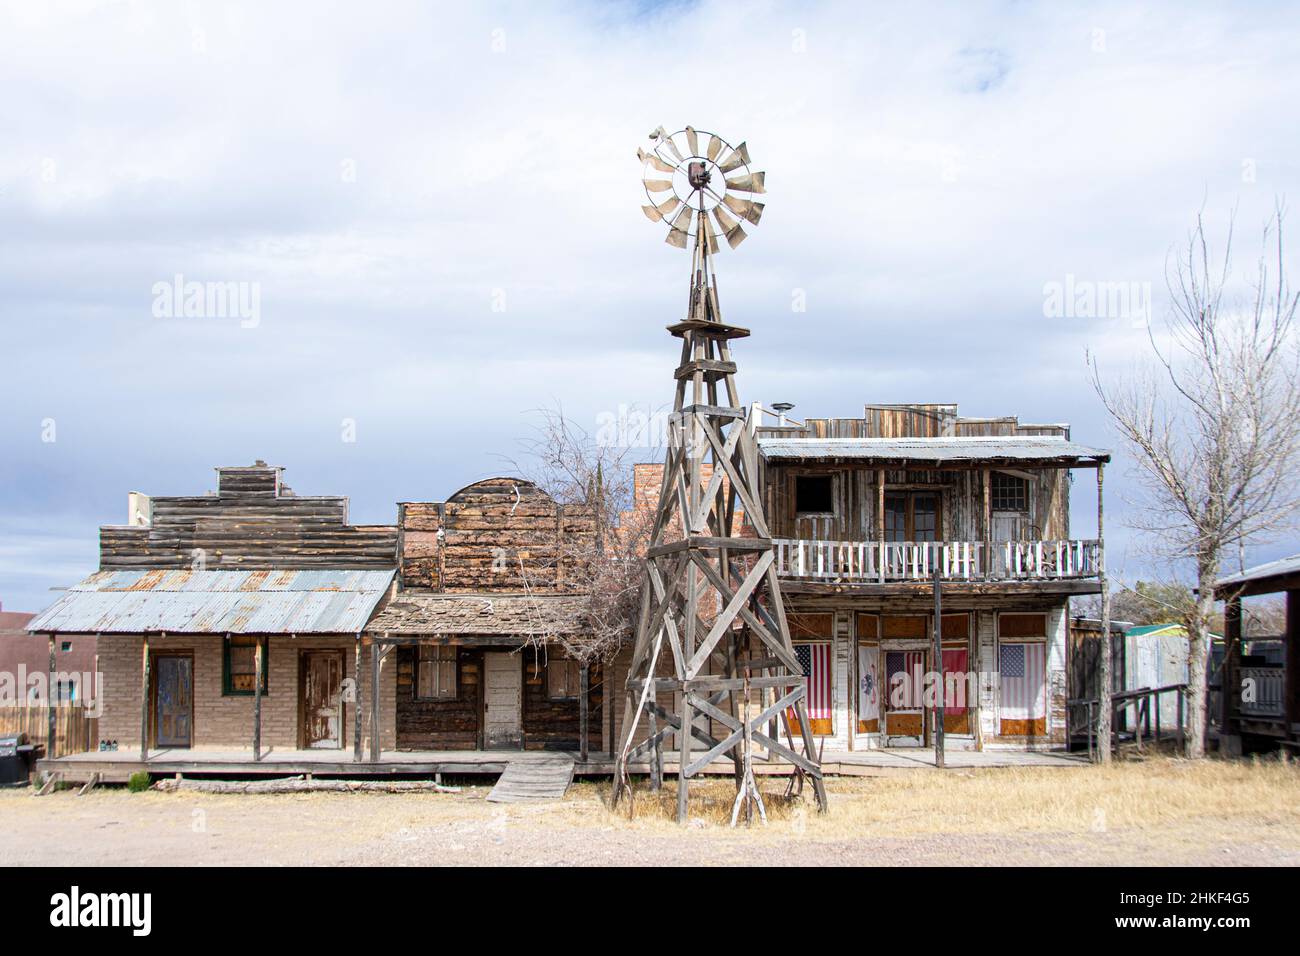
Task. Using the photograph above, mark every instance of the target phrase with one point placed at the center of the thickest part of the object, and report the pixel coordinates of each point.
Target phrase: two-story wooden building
(865, 509)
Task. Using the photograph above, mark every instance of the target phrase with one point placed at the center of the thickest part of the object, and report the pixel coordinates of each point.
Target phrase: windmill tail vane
(711, 606)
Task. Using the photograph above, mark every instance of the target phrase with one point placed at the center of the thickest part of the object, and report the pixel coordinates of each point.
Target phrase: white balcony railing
(1261, 691)
(883, 561)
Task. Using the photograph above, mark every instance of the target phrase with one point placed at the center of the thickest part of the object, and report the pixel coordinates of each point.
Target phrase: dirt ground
(1158, 812)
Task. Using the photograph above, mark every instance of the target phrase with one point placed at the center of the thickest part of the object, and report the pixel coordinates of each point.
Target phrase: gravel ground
(112, 826)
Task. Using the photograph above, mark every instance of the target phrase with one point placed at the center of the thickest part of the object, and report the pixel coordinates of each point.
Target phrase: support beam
(52, 698)
(356, 701)
(584, 690)
(144, 697)
(1291, 704)
(374, 701)
(1228, 681)
(1104, 678)
(259, 668)
(938, 667)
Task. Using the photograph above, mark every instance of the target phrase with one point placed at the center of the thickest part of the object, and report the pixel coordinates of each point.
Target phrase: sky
(435, 206)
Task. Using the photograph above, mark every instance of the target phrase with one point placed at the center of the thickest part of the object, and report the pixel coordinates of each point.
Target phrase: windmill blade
(663, 210)
(655, 161)
(715, 146)
(731, 230)
(667, 143)
(676, 238)
(745, 208)
(739, 157)
(692, 141)
(753, 183)
(658, 185)
(652, 213)
(681, 228)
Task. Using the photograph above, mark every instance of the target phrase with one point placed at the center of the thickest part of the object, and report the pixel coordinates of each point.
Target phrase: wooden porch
(117, 766)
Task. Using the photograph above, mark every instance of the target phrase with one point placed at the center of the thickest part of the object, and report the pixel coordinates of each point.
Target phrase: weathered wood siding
(253, 522)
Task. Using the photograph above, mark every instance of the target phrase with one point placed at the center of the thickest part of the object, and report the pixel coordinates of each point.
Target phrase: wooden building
(864, 510)
(233, 620)
(1261, 708)
(475, 632)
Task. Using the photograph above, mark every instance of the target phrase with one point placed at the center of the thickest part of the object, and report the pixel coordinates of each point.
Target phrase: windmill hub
(698, 175)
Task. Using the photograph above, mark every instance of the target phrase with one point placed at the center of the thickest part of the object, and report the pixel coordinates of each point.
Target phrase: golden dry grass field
(1157, 811)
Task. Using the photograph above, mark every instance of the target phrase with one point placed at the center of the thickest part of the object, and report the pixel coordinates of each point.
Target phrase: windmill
(712, 629)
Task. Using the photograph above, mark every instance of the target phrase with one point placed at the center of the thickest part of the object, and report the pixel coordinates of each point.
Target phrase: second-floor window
(912, 516)
(1009, 493)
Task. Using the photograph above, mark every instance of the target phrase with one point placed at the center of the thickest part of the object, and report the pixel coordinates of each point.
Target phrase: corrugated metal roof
(1260, 571)
(1018, 448)
(217, 602)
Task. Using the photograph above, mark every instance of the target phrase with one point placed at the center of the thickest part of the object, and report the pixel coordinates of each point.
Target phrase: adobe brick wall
(227, 722)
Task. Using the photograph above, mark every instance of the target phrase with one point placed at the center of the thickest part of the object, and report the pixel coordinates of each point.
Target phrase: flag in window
(815, 659)
(1023, 681)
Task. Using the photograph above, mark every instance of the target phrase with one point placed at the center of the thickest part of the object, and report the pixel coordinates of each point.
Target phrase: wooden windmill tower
(711, 611)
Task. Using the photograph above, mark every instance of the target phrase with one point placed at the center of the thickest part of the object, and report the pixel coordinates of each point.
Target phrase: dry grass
(1155, 793)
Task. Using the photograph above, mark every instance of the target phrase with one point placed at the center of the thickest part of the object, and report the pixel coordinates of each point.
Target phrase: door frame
(153, 696)
(303, 653)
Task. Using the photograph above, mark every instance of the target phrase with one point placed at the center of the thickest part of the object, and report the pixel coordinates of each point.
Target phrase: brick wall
(227, 722)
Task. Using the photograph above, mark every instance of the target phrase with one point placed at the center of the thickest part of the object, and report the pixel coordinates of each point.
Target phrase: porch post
(1228, 683)
(938, 667)
(144, 697)
(584, 688)
(374, 700)
(51, 698)
(259, 667)
(1291, 706)
(986, 522)
(880, 526)
(1104, 678)
(356, 701)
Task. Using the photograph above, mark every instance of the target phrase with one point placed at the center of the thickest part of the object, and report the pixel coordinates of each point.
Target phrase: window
(239, 666)
(562, 679)
(65, 646)
(812, 494)
(1022, 626)
(435, 677)
(1009, 493)
(912, 516)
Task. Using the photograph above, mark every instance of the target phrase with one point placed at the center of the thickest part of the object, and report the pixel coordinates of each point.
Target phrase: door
(502, 695)
(322, 699)
(903, 693)
(173, 700)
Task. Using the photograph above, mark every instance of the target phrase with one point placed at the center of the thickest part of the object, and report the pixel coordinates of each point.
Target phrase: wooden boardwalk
(544, 777)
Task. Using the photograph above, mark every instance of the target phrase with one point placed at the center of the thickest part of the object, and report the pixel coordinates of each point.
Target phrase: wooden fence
(74, 729)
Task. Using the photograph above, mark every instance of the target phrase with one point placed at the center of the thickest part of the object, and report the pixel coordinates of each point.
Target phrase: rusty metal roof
(217, 602)
(1024, 448)
(516, 614)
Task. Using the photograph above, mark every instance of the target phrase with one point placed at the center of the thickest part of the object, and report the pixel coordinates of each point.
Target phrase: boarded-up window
(562, 679)
(956, 627)
(868, 627)
(1009, 493)
(905, 626)
(1022, 625)
(807, 626)
(435, 676)
(239, 666)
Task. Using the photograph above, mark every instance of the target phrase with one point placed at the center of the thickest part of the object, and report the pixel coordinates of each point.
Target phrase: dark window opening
(436, 676)
(812, 494)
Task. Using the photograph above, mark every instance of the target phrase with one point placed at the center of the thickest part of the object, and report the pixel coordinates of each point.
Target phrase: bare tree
(1213, 422)
(600, 550)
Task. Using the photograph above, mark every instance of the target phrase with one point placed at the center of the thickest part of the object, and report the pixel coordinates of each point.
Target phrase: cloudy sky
(437, 206)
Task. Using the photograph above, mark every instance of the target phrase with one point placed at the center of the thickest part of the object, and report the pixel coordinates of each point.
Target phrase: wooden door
(173, 700)
(502, 697)
(322, 699)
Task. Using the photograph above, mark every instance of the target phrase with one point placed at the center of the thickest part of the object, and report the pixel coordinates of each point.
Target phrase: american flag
(904, 671)
(815, 659)
(1023, 681)
(956, 689)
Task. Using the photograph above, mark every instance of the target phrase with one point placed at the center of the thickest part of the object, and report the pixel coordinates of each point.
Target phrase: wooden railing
(75, 730)
(1267, 687)
(1141, 707)
(883, 561)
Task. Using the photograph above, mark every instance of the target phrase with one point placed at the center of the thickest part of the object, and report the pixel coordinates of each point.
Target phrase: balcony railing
(884, 561)
(1266, 687)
